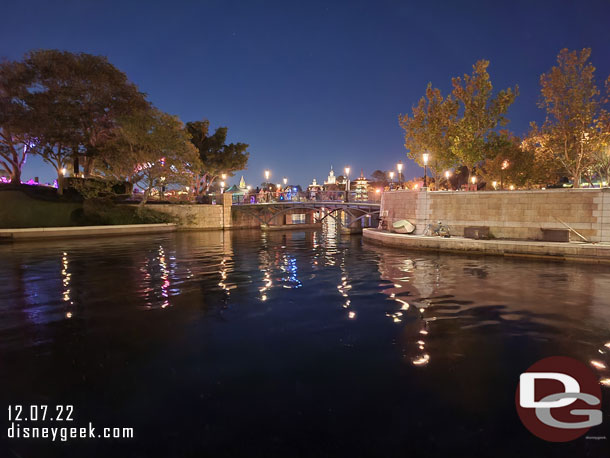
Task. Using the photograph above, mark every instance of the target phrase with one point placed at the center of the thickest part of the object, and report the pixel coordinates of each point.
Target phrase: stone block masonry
(195, 216)
(508, 214)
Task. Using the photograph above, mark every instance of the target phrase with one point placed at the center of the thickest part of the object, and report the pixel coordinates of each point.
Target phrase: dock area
(557, 251)
(41, 233)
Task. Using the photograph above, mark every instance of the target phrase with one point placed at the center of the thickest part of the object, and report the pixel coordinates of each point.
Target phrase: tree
(84, 95)
(151, 149)
(215, 155)
(380, 177)
(480, 113)
(508, 160)
(57, 140)
(573, 131)
(16, 139)
(430, 130)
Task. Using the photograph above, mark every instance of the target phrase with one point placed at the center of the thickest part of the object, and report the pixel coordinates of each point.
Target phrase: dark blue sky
(309, 84)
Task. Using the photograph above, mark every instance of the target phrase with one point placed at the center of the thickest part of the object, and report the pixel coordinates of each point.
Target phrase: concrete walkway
(39, 233)
(572, 251)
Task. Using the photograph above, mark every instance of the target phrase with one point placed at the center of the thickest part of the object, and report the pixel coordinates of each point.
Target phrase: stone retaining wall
(194, 216)
(509, 214)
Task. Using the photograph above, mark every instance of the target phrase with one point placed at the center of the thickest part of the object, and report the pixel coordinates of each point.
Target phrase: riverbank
(38, 233)
(557, 251)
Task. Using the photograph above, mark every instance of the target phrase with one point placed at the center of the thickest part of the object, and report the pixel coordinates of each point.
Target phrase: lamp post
(447, 175)
(474, 182)
(425, 157)
(267, 176)
(222, 187)
(346, 184)
(399, 168)
(505, 165)
(391, 179)
(285, 181)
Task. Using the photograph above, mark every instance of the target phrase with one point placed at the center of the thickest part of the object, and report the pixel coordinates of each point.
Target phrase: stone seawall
(508, 214)
(194, 216)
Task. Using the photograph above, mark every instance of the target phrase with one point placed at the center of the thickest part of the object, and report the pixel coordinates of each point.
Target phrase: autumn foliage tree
(430, 129)
(455, 130)
(575, 131)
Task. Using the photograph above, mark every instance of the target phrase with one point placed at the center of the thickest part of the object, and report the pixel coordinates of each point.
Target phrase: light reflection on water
(316, 315)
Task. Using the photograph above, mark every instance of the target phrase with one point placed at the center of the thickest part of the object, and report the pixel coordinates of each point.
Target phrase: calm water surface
(289, 344)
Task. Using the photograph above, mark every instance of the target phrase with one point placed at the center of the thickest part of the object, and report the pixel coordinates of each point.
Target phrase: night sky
(309, 84)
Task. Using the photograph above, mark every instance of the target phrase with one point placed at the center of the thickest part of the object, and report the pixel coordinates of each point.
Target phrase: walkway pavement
(570, 251)
(9, 235)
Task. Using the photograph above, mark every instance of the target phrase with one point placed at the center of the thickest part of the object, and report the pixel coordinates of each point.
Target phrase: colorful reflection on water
(251, 343)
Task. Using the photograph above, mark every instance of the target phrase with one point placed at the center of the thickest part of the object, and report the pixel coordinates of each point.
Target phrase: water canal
(248, 343)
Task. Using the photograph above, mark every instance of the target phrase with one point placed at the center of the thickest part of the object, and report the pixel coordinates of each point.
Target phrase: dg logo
(558, 399)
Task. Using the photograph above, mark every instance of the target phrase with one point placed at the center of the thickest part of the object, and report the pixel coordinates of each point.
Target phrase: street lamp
(267, 175)
(64, 171)
(399, 168)
(346, 184)
(425, 156)
(285, 181)
(474, 182)
(222, 187)
(494, 184)
(505, 165)
(391, 179)
(224, 176)
(447, 175)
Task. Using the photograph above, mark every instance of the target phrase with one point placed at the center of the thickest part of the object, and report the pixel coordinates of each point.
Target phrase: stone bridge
(349, 216)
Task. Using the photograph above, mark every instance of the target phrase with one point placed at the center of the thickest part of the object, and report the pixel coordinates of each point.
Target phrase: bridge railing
(266, 197)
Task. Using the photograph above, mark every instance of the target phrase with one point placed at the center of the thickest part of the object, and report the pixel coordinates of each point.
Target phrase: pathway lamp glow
(494, 184)
(447, 175)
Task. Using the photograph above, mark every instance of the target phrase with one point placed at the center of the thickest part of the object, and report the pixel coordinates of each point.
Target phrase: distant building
(331, 177)
(313, 189)
(238, 190)
(361, 188)
(314, 186)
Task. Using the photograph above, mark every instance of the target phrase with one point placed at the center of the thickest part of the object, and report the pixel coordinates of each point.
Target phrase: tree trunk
(15, 175)
(576, 179)
(60, 183)
(144, 198)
